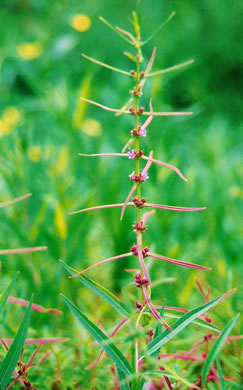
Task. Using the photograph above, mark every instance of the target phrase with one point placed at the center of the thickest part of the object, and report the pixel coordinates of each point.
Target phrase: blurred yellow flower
(11, 116)
(4, 128)
(29, 51)
(34, 153)
(62, 160)
(221, 268)
(81, 22)
(60, 222)
(91, 127)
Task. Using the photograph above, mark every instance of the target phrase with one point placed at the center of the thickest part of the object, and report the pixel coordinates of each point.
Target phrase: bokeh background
(44, 125)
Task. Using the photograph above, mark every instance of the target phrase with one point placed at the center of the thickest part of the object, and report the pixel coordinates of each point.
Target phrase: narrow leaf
(216, 348)
(4, 297)
(9, 363)
(110, 348)
(198, 321)
(100, 290)
(158, 329)
(235, 384)
(178, 326)
(122, 379)
(220, 374)
(142, 384)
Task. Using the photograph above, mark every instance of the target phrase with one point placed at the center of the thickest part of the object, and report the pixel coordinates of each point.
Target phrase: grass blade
(198, 322)
(220, 374)
(4, 297)
(178, 326)
(122, 379)
(235, 384)
(100, 290)
(110, 348)
(9, 363)
(216, 348)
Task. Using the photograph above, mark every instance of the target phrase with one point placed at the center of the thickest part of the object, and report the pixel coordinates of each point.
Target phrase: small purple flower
(140, 178)
(132, 154)
(132, 176)
(145, 176)
(142, 132)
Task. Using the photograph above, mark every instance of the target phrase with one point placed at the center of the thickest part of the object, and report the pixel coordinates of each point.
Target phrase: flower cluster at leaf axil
(130, 372)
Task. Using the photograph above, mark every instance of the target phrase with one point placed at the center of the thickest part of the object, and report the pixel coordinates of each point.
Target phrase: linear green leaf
(235, 384)
(220, 374)
(110, 348)
(122, 379)
(99, 290)
(178, 326)
(142, 384)
(158, 329)
(9, 363)
(198, 321)
(216, 348)
(4, 297)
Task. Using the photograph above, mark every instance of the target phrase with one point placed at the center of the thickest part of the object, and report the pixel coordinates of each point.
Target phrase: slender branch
(167, 113)
(174, 356)
(36, 341)
(141, 259)
(172, 14)
(102, 262)
(172, 167)
(104, 154)
(22, 250)
(107, 66)
(36, 307)
(124, 107)
(167, 70)
(125, 204)
(146, 216)
(107, 206)
(114, 332)
(128, 112)
(13, 201)
(174, 208)
(129, 143)
(153, 310)
(178, 262)
(128, 34)
(115, 30)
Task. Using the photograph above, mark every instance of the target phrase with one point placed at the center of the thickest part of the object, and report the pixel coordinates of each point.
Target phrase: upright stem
(137, 144)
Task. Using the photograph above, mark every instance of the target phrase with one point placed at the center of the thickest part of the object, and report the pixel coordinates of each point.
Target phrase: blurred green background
(43, 127)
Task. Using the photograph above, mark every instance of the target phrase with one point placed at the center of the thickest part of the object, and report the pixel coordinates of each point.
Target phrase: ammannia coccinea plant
(133, 369)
